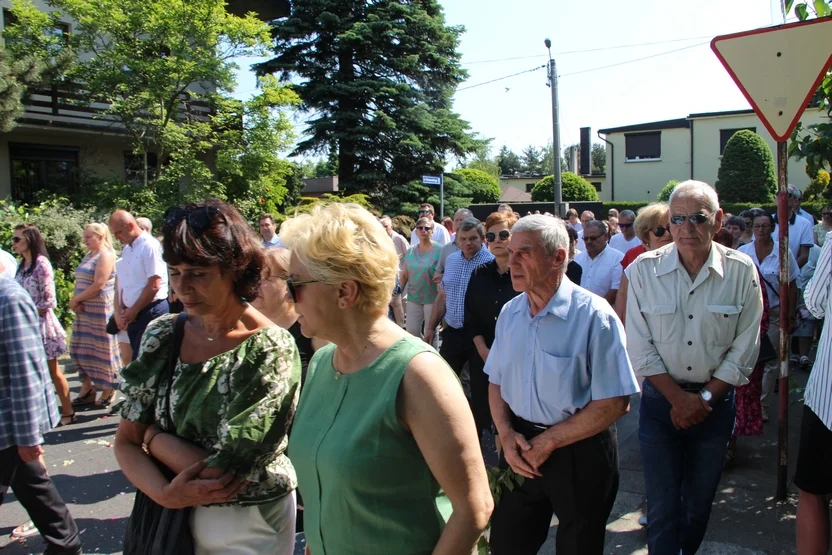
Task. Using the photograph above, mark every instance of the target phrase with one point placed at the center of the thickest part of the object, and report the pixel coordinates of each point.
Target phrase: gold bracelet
(146, 444)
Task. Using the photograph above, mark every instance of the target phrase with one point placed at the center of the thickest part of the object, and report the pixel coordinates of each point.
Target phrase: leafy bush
(575, 188)
(746, 173)
(664, 194)
(818, 189)
(62, 228)
(484, 187)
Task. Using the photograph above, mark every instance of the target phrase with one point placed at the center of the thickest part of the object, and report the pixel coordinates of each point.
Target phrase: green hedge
(735, 208)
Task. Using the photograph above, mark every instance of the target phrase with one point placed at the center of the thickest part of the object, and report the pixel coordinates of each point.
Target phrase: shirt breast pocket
(560, 380)
(720, 323)
(660, 318)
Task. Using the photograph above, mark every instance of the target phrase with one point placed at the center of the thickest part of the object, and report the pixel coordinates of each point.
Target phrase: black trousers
(579, 484)
(479, 392)
(456, 348)
(136, 328)
(36, 492)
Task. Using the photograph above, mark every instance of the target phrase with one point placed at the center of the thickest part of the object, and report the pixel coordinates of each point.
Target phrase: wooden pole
(785, 322)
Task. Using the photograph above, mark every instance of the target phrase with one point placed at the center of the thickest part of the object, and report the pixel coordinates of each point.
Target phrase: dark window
(529, 187)
(726, 134)
(597, 185)
(41, 171)
(643, 146)
(60, 30)
(134, 167)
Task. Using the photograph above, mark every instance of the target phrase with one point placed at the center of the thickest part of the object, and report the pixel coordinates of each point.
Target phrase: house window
(643, 146)
(529, 187)
(41, 171)
(134, 167)
(60, 30)
(726, 134)
(597, 185)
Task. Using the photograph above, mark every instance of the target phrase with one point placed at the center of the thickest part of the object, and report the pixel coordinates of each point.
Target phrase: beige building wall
(706, 144)
(640, 180)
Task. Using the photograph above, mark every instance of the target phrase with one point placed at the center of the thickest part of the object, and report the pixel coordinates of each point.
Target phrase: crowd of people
(327, 358)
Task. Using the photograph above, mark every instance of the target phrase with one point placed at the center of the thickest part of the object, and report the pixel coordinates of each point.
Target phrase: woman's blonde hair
(649, 216)
(102, 231)
(277, 262)
(344, 242)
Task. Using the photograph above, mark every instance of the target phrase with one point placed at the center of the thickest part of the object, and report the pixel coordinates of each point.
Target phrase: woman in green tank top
(382, 423)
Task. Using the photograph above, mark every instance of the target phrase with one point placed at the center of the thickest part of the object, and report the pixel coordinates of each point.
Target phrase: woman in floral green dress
(232, 395)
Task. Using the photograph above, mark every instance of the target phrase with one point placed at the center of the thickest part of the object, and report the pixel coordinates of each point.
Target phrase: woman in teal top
(416, 278)
(382, 422)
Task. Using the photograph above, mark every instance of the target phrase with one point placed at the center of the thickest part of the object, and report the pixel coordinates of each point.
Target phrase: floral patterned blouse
(40, 283)
(237, 405)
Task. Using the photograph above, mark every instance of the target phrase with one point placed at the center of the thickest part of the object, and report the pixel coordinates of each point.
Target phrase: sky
(517, 111)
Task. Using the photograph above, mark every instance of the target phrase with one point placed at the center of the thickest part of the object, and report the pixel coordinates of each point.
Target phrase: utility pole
(557, 184)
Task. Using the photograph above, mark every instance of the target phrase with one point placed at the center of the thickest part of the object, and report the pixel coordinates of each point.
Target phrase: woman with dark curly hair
(35, 274)
(230, 396)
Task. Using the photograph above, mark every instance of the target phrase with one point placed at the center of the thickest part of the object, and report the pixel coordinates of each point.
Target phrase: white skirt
(267, 529)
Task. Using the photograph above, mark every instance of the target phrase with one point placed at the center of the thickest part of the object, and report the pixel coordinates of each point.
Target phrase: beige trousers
(267, 529)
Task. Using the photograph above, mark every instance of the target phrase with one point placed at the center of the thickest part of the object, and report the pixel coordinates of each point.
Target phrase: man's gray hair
(553, 234)
(794, 192)
(597, 224)
(627, 214)
(698, 190)
(145, 224)
(385, 218)
(471, 223)
(468, 213)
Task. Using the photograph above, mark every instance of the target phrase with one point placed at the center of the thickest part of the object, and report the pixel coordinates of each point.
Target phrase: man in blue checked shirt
(457, 347)
(28, 411)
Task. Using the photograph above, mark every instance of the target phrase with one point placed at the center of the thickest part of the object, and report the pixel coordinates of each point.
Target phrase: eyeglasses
(294, 287)
(425, 212)
(589, 238)
(424, 228)
(824, 214)
(503, 235)
(659, 231)
(16, 240)
(624, 225)
(199, 218)
(695, 219)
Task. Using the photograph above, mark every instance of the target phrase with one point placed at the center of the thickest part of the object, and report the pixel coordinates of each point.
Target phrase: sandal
(25, 530)
(68, 419)
(86, 399)
(105, 402)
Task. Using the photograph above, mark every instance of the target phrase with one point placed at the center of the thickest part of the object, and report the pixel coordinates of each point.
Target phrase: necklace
(220, 333)
(360, 354)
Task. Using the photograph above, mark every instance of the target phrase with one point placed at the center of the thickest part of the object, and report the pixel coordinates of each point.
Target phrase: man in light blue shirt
(268, 231)
(560, 378)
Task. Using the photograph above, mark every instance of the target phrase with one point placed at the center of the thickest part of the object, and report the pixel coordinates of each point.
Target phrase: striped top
(819, 303)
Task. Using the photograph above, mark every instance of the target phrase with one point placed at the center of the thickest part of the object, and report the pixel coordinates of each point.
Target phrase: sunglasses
(199, 218)
(423, 228)
(294, 287)
(625, 225)
(589, 238)
(425, 212)
(824, 214)
(695, 219)
(659, 231)
(16, 240)
(503, 235)
(761, 226)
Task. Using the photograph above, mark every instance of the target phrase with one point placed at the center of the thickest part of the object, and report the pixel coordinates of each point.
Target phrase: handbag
(112, 327)
(153, 529)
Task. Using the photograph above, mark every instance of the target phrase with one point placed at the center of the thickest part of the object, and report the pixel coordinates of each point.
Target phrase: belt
(529, 429)
(692, 387)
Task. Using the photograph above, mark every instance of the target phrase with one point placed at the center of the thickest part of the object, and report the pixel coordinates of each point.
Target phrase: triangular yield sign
(778, 69)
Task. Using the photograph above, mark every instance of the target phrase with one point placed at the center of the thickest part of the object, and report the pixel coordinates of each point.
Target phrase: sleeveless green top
(366, 486)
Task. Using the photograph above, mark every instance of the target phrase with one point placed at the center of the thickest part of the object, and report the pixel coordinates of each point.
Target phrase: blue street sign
(431, 180)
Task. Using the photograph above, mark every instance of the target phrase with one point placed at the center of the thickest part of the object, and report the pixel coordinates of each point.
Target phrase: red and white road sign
(778, 69)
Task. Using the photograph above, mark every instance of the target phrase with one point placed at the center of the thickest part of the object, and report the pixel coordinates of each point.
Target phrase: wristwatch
(706, 395)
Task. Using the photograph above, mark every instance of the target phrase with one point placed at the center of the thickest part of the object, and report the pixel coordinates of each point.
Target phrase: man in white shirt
(268, 231)
(586, 217)
(144, 280)
(600, 264)
(801, 236)
(8, 265)
(627, 239)
(399, 242)
(440, 234)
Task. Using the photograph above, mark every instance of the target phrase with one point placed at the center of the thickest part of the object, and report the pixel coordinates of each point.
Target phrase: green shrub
(664, 194)
(575, 188)
(484, 187)
(818, 189)
(746, 173)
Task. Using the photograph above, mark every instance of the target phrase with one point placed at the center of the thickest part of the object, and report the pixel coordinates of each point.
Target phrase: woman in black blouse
(488, 290)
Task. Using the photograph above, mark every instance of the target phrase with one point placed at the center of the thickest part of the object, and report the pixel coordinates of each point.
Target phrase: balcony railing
(64, 105)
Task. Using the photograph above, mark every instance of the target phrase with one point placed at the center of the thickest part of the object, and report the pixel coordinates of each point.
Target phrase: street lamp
(557, 183)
